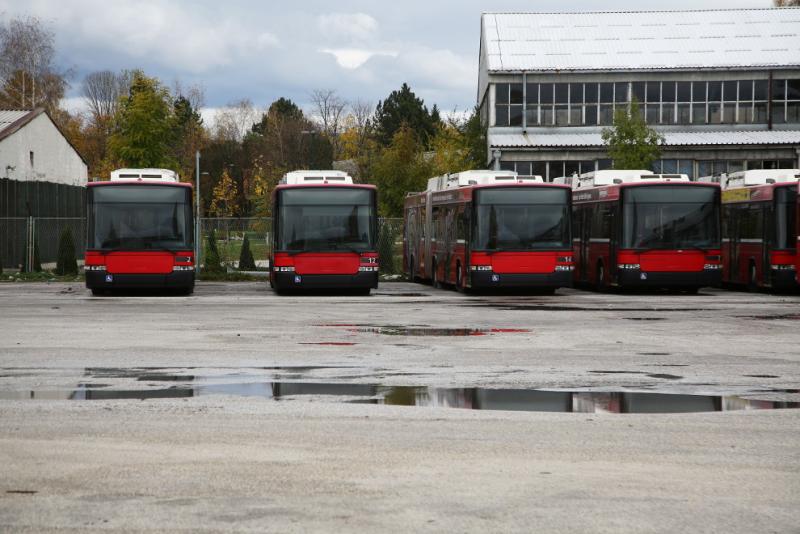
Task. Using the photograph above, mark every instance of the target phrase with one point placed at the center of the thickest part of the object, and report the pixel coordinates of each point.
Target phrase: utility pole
(197, 244)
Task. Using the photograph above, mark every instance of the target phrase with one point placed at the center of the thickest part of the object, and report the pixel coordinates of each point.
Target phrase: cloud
(347, 27)
(353, 58)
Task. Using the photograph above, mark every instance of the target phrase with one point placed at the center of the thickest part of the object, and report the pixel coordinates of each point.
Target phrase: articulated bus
(324, 233)
(637, 229)
(489, 229)
(140, 232)
(759, 228)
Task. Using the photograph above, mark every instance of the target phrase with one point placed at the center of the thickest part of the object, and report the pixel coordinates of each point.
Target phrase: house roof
(642, 40)
(772, 137)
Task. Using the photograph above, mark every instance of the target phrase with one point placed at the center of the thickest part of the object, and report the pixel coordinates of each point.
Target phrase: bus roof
(478, 178)
(327, 177)
(618, 177)
(139, 182)
(164, 175)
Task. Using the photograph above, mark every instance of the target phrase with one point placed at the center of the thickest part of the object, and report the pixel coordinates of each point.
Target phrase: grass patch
(44, 276)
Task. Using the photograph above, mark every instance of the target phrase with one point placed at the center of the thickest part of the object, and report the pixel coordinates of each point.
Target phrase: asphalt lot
(218, 448)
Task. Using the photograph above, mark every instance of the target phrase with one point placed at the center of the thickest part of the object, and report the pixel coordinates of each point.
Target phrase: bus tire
(752, 277)
(459, 278)
(98, 292)
(412, 277)
(185, 291)
(600, 281)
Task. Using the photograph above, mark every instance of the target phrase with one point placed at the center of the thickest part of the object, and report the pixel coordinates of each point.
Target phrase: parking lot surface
(412, 409)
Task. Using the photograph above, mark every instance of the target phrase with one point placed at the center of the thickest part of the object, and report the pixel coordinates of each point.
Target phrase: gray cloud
(264, 50)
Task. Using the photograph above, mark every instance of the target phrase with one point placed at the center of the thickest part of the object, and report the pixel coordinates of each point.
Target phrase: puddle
(523, 306)
(400, 294)
(330, 343)
(645, 318)
(529, 400)
(449, 332)
(784, 317)
(761, 376)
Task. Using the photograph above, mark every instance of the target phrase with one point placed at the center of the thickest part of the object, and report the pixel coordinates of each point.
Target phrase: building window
(30, 155)
(508, 104)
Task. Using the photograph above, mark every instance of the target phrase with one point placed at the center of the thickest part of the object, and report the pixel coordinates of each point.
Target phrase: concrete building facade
(721, 86)
(33, 149)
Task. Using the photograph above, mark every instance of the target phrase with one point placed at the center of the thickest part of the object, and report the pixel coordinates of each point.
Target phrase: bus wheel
(600, 283)
(98, 292)
(752, 278)
(411, 274)
(459, 278)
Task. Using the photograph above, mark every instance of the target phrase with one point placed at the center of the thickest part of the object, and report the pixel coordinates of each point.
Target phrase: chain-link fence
(27, 241)
(23, 237)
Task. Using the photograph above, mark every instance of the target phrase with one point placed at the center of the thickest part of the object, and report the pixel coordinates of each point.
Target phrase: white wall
(54, 159)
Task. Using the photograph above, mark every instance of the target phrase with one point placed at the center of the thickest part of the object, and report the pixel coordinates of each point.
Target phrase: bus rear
(140, 232)
(520, 237)
(325, 233)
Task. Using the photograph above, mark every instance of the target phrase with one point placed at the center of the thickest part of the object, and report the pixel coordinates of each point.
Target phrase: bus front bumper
(291, 280)
(783, 279)
(637, 278)
(104, 280)
(488, 280)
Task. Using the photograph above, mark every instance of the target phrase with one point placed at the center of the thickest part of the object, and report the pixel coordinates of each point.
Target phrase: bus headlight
(182, 268)
(629, 266)
(564, 267)
(712, 266)
(366, 269)
(94, 267)
(480, 268)
(782, 267)
(289, 269)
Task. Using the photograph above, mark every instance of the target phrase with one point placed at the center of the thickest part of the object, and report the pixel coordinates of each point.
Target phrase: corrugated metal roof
(643, 40)
(774, 137)
(10, 116)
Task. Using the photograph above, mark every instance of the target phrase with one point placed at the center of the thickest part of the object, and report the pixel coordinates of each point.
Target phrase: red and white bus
(489, 229)
(638, 229)
(759, 228)
(324, 235)
(140, 232)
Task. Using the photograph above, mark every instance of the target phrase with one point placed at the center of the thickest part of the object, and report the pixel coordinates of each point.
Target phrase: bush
(246, 260)
(212, 262)
(67, 264)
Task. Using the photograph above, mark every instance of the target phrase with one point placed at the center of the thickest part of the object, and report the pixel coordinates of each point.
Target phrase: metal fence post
(30, 247)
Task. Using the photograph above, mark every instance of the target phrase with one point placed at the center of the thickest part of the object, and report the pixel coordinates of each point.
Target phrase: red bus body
(314, 252)
(759, 241)
(440, 246)
(140, 235)
(604, 259)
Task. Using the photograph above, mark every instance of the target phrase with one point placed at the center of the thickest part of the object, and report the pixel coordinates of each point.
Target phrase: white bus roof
(611, 177)
(161, 175)
(316, 176)
(759, 177)
(478, 177)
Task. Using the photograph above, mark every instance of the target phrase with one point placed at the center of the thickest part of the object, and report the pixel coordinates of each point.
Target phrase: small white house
(33, 148)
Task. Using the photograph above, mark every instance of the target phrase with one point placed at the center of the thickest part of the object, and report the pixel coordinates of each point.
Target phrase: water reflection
(529, 400)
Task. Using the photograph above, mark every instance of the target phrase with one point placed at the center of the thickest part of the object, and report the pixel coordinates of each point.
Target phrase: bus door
(733, 242)
(586, 233)
(450, 242)
(427, 231)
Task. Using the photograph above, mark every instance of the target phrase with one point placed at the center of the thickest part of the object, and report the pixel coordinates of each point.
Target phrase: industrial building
(721, 86)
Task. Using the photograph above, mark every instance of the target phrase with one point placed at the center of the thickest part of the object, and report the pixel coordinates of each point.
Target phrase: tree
(475, 140)
(28, 78)
(400, 168)
(223, 203)
(329, 109)
(66, 264)
(235, 120)
(142, 126)
(102, 91)
(246, 260)
(403, 107)
(188, 134)
(631, 143)
(212, 263)
(787, 3)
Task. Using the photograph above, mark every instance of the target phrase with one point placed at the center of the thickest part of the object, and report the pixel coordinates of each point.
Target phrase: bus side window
(461, 224)
(726, 214)
(576, 222)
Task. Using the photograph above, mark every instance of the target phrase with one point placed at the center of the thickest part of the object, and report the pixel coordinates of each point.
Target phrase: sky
(263, 50)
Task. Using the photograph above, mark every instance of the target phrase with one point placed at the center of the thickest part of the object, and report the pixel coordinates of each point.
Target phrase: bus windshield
(139, 217)
(326, 219)
(670, 217)
(521, 219)
(786, 217)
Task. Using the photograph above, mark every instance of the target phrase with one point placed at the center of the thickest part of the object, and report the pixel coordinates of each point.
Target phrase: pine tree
(246, 260)
(67, 264)
(212, 261)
